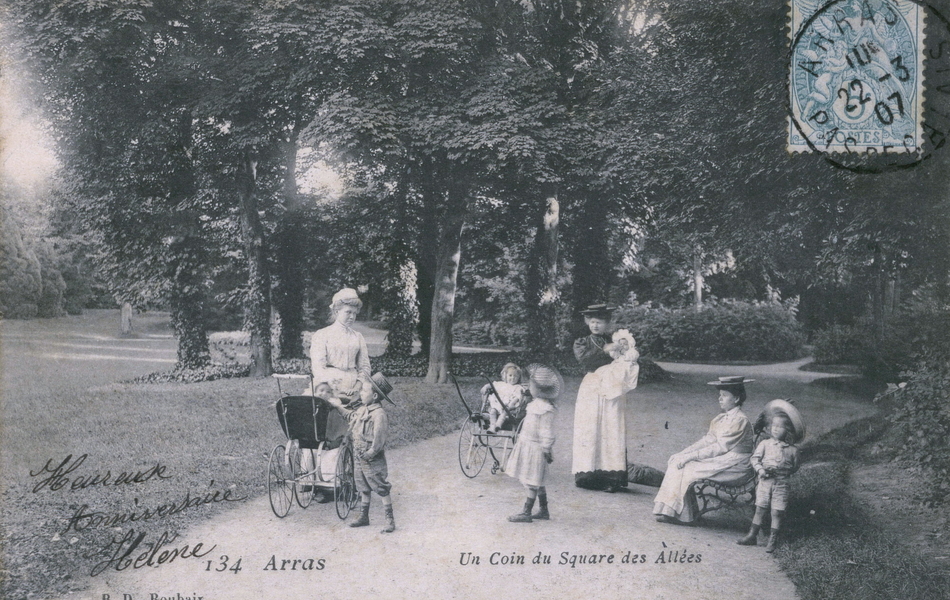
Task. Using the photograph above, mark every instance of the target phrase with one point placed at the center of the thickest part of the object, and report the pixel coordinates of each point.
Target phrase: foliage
(722, 331)
(922, 417)
(841, 345)
(21, 282)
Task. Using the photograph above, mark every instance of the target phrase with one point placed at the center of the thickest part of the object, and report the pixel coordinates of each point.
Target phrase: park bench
(735, 496)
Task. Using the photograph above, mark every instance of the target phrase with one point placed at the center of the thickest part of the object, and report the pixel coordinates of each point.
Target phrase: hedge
(721, 331)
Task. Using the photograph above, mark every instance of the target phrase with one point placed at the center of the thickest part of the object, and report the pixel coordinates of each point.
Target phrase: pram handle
(290, 377)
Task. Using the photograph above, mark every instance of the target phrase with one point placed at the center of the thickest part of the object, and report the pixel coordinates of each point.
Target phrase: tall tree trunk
(443, 300)
(258, 301)
(289, 294)
(187, 258)
(428, 251)
(542, 294)
(188, 301)
(698, 280)
(591, 266)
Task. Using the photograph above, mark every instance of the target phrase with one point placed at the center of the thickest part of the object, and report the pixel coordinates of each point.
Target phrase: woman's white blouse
(336, 350)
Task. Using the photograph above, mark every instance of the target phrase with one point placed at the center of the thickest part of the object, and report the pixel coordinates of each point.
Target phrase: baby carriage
(311, 460)
(477, 442)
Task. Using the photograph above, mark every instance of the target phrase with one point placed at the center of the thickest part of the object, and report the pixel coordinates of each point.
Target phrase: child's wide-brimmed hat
(730, 381)
(598, 311)
(786, 408)
(382, 386)
(548, 383)
(511, 366)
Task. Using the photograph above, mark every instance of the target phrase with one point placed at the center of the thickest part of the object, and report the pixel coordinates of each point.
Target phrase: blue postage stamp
(856, 76)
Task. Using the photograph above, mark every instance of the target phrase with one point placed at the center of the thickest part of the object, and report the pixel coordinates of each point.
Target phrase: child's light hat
(786, 408)
(382, 386)
(547, 381)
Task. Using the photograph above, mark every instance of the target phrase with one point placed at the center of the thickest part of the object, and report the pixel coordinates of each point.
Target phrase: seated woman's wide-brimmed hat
(786, 408)
(730, 381)
(599, 311)
(382, 386)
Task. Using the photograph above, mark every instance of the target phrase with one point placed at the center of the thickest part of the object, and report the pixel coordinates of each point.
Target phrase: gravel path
(442, 517)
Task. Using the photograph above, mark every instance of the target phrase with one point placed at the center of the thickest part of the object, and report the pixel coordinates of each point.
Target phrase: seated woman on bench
(723, 454)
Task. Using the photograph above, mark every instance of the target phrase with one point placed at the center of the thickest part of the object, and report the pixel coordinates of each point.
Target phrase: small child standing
(368, 428)
(509, 398)
(532, 452)
(774, 461)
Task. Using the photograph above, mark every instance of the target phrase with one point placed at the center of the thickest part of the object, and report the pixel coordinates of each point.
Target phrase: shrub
(921, 415)
(721, 331)
(841, 345)
(900, 344)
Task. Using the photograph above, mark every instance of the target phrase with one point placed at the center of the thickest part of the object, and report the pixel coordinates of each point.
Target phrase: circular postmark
(858, 80)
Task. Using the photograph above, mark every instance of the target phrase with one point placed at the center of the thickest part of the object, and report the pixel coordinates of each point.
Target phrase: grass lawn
(210, 436)
(839, 549)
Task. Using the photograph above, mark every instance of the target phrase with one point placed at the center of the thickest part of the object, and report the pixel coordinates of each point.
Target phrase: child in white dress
(532, 452)
(510, 399)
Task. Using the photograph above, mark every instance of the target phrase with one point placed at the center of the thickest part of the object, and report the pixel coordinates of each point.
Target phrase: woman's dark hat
(730, 381)
(599, 311)
(382, 386)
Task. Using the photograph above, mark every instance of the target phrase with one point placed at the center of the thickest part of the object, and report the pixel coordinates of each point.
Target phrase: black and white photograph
(474, 299)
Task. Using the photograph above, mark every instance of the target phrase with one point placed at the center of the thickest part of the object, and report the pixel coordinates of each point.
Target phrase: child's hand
(549, 457)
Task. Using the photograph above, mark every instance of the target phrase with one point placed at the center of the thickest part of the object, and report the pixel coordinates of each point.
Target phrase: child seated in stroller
(508, 399)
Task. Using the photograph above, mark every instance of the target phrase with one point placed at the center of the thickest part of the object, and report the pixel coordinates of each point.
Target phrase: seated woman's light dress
(723, 454)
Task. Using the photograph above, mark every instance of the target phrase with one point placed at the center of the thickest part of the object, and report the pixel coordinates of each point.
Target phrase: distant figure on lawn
(722, 454)
(338, 353)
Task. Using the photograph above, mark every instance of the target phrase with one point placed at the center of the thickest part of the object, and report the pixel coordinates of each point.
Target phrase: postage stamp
(856, 77)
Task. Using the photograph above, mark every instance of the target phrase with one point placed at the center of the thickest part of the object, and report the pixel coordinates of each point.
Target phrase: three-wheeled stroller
(477, 441)
(311, 460)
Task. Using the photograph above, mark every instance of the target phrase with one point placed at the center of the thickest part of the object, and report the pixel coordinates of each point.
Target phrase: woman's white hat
(343, 295)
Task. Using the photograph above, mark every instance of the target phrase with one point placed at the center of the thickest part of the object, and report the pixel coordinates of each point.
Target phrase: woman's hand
(549, 457)
(681, 464)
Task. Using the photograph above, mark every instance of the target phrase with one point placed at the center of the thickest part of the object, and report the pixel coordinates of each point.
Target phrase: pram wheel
(473, 448)
(344, 483)
(280, 484)
(302, 471)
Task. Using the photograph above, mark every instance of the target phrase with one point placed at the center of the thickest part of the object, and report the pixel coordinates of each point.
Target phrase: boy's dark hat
(382, 386)
(599, 311)
(730, 381)
(786, 408)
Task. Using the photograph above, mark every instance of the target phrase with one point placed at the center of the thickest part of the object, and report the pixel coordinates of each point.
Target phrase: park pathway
(445, 520)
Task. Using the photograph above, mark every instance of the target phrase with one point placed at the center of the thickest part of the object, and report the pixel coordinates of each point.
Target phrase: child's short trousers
(772, 492)
(372, 475)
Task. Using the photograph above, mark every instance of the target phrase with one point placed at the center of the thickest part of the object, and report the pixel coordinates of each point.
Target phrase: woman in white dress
(338, 358)
(723, 454)
(600, 430)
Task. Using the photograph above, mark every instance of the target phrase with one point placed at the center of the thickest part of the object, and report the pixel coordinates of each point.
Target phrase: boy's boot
(363, 519)
(390, 521)
(542, 507)
(751, 538)
(773, 539)
(525, 515)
